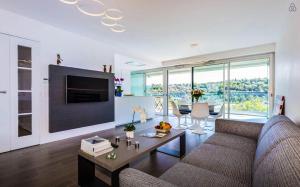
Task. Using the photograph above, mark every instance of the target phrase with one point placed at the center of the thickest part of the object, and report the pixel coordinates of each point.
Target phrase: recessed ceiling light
(91, 7)
(69, 2)
(129, 62)
(193, 45)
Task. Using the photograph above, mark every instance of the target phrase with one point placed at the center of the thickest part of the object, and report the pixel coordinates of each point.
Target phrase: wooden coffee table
(99, 171)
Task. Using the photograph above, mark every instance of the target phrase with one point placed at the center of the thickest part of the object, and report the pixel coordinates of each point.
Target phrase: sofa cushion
(239, 128)
(239, 143)
(134, 178)
(271, 122)
(186, 175)
(281, 167)
(276, 134)
(222, 160)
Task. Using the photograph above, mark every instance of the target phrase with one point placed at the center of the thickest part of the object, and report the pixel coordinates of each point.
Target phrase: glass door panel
(249, 89)
(154, 87)
(210, 79)
(138, 84)
(179, 87)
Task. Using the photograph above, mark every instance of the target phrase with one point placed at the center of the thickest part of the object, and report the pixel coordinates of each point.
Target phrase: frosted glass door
(4, 95)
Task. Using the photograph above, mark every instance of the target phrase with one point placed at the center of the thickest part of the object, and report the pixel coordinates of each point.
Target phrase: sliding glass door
(154, 87)
(179, 86)
(249, 88)
(210, 78)
(243, 86)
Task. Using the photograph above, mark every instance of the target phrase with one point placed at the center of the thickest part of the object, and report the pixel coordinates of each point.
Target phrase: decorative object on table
(142, 112)
(111, 156)
(129, 129)
(137, 144)
(128, 142)
(118, 86)
(118, 91)
(58, 59)
(163, 127)
(96, 146)
(117, 139)
(197, 94)
(110, 68)
(114, 145)
(104, 68)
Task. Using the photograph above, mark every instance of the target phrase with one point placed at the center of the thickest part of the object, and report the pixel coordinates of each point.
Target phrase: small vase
(130, 134)
(119, 94)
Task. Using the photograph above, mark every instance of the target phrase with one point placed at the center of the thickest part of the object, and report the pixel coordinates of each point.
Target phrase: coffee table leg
(115, 176)
(182, 146)
(86, 171)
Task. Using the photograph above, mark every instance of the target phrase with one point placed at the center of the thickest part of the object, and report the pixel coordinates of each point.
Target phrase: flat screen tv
(86, 89)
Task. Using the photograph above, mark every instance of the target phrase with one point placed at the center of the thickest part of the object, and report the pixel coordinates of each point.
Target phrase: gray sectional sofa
(238, 154)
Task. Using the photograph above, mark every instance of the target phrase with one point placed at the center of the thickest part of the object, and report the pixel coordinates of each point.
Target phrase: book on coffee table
(96, 146)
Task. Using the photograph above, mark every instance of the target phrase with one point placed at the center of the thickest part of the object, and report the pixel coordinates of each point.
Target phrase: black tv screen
(86, 89)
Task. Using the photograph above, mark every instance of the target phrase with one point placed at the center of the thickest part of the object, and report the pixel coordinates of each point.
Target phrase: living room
(203, 75)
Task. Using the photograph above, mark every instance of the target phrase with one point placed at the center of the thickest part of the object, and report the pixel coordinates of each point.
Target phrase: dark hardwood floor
(55, 164)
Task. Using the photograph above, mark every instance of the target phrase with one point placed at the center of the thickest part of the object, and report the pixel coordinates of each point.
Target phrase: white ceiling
(161, 30)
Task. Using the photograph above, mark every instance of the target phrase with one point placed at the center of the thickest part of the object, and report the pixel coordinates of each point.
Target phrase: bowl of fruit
(163, 127)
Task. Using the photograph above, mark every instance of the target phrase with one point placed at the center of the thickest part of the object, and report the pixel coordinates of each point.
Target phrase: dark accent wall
(64, 116)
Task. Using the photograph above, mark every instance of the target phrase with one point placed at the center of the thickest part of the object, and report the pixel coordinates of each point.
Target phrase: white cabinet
(19, 96)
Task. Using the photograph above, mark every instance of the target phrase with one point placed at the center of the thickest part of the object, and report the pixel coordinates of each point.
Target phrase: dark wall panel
(64, 116)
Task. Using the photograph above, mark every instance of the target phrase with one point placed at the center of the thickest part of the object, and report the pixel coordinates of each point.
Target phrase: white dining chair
(177, 113)
(200, 111)
(217, 115)
(213, 116)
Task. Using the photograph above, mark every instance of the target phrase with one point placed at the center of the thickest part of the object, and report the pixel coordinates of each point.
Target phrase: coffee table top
(126, 154)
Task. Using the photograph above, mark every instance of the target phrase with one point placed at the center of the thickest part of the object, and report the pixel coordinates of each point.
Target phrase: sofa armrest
(241, 128)
(135, 178)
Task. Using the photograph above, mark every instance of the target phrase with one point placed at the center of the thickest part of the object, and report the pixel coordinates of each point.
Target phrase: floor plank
(55, 164)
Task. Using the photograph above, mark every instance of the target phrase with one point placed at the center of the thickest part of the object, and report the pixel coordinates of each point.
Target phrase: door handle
(3, 92)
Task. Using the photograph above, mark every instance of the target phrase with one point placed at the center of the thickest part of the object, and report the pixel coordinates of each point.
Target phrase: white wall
(124, 70)
(76, 51)
(287, 68)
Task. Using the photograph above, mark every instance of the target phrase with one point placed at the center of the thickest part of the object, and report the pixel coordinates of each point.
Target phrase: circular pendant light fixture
(114, 14)
(108, 22)
(118, 28)
(69, 2)
(91, 7)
